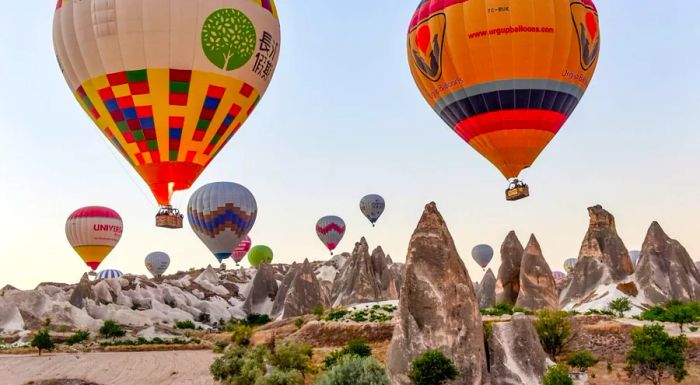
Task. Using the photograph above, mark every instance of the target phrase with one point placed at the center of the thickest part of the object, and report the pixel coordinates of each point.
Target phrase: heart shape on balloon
(592, 25)
(423, 38)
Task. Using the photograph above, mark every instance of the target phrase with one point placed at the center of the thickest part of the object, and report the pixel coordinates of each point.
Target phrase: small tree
(681, 314)
(432, 368)
(620, 306)
(240, 365)
(299, 322)
(353, 370)
(78, 337)
(241, 334)
(42, 341)
(655, 355)
(111, 329)
(318, 311)
(582, 360)
(289, 356)
(557, 375)
(554, 331)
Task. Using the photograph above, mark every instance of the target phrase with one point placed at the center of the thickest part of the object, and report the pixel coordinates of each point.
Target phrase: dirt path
(153, 368)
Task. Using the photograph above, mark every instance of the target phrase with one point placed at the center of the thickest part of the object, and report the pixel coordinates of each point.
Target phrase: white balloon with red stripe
(330, 229)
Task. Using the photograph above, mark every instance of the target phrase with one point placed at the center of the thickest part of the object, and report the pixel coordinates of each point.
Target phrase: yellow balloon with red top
(168, 82)
(504, 74)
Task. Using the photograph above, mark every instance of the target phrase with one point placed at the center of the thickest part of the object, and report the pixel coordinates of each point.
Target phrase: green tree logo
(228, 38)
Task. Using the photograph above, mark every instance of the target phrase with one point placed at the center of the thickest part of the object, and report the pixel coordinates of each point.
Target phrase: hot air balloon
(222, 214)
(168, 83)
(558, 275)
(157, 263)
(330, 230)
(504, 78)
(241, 250)
(109, 274)
(259, 254)
(93, 232)
(482, 254)
(372, 206)
(569, 265)
(634, 256)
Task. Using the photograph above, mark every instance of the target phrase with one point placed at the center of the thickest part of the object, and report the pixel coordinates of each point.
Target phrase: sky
(343, 118)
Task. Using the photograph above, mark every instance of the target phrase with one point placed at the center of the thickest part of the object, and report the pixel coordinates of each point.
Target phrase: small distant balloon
(634, 256)
(240, 251)
(372, 206)
(558, 275)
(330, 230)
(569, 265)
(482, 255)
(260, 254)
(157, 263)
(93, 232)
(109, 274)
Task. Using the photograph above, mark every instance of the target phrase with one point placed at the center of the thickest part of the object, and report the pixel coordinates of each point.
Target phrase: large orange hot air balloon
(504, 75)
(167, 82)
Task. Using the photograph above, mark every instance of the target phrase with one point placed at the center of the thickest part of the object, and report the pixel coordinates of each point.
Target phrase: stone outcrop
(537, 287)
(438, 308)
(603, 258)
(665, 270)
(303, 293)
(283, 289)
(262, 292)
(508, 283)
(486, 293)
(515, 353)
(82, 292)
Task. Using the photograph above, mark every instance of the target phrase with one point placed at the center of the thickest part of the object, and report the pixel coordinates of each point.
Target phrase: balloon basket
(169, 218)
(517, 190)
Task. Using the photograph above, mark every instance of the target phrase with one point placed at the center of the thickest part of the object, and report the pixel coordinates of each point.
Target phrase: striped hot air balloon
(241, 250)
(330, 230)
(109, 274)
(558, 275)
(222, 214)
(93, 232)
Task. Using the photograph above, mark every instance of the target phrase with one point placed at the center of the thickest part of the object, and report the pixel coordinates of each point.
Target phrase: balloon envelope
(634, 256)
(240, 251)
(558, 275)
(569, 265)
(109, 274)
(259, 254)
(157, 263)
(482, 254)
(330, 230)
(504, 78)
(372, 206)
(222, 214)
(167, 82)
(93, 232)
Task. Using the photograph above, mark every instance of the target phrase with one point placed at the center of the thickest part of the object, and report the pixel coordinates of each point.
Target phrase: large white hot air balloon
(157, 263)
(482, 254)
(222, 214)
(330, 229)
(372, 206)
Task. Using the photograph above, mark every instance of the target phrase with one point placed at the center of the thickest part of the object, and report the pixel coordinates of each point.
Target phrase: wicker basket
(517, 192)
(169, 221)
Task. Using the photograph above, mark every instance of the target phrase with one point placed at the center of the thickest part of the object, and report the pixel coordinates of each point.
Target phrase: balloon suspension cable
(127, 172)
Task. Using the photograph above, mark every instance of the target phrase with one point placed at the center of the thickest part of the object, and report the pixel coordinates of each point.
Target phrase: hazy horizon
(343, 118)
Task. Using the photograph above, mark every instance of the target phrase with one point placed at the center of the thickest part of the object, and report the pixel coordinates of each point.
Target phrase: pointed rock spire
(486, 293)
(537, 287)
(508, 283)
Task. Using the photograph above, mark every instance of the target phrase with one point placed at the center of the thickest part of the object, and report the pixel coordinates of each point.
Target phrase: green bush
(42, 341)
(582, 360)
(299, 322)
(111, 329)
(318, 311)
(187, 324)
(336, 315)
(257, 319)
(240, 365)
(359, 316)
(600, 312)
(204, 318)
(554, 331)
(290, 356)
(620, 306)
(240, 335)
(356, 347)
(674, 311)
(78, 337)
(693, 328)
(353, 370)
(432, 368)
(557, 375)
(280, 377)
(655, 355)
(220, 346)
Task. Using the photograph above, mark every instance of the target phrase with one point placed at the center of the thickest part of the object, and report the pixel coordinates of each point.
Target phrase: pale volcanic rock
(438, 308)
(538, 290)
(515, 353)
(508, 283)
(304, 293)
(486, 293)
(263, 290)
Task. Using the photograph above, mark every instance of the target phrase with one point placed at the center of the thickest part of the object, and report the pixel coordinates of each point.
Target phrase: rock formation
(508, 284)
(283, 289)
(515, 353)
(262, 292)
(603, 258)
(303, 294)
(665, 270)
(365, 278)
(537, 287)
(487, 291)
(438, 308)
(82, 292)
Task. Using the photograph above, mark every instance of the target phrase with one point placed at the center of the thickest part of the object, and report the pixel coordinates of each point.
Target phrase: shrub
(336, 315)
(111, 329)
(42, 341)
(187, 324)
(557, 375)
(655, 355)
(693, 328)
(299, 322)
(609, 367)
(620, 306)
(241, 334)
(582, 360)
(220, 346)
(333, 358)
(359, 316)
(432, 368)
(600, 312)
(240, 365)
(356, 347)
(257, 319)
(280, 377)
(78, 337)
(355, 371)
(674, 311)
(290, 356)
(554, 331)
(318, 311)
